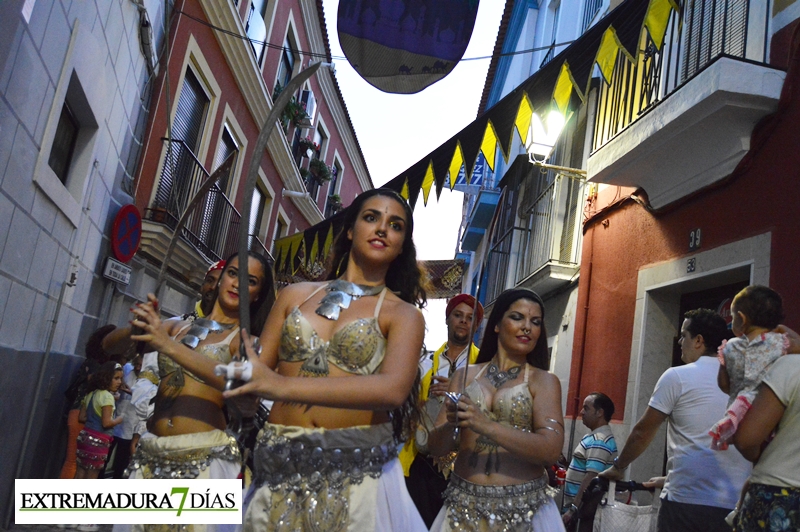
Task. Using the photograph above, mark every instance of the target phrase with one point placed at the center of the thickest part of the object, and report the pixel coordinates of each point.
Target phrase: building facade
(671, 193)
(88, 94)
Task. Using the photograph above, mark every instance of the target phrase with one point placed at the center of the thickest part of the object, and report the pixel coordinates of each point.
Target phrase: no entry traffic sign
(126, 234)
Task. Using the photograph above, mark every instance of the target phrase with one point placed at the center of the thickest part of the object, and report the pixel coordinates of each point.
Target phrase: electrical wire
(343, 58)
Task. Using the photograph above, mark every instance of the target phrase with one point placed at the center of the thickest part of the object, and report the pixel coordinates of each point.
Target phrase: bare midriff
(512, 470)
(312, 416)
(196, 408)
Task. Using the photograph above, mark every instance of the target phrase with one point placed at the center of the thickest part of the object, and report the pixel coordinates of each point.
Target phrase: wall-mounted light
(295, 193)
(542, 136)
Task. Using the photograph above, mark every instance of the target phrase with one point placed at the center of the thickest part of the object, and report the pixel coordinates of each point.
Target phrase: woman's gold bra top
(358, 347)
(511, 406)
(219, 352)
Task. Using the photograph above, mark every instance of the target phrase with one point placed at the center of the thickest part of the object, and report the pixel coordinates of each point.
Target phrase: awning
(562, 84)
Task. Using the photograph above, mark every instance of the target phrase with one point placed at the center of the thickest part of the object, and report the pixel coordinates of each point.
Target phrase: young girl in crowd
(756, 311)
(97, 412)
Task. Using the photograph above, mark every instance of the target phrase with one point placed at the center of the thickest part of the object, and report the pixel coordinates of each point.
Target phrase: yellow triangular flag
(404, 190)
(563, 89)
(489, 144)
(523, 120)
(607, 53)
(657, 18)
(455, 164)
(295, 247)
(314, 250)
(427, 182)
(328, 242)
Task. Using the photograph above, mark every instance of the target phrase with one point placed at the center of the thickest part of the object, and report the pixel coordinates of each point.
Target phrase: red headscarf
(470, 301)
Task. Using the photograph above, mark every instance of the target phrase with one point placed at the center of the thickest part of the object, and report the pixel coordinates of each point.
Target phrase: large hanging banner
(402, 47)
(444, 277)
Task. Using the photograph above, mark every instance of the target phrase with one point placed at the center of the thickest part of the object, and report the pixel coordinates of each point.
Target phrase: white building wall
(51, 233)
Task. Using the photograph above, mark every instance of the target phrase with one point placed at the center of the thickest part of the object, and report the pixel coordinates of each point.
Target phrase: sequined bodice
(358, 347)
(511, 406)
(219, 352)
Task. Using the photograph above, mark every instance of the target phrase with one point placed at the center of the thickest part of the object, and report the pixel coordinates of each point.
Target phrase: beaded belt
(476, 507)
(289, 457)
(309, 472)
(185, 462)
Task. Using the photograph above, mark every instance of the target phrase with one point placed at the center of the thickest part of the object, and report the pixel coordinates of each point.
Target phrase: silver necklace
(499, 378)
(199, 331)
(340, 294)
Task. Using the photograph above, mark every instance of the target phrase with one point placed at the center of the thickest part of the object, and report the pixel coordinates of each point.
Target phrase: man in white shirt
(702, 485)
(424, 480)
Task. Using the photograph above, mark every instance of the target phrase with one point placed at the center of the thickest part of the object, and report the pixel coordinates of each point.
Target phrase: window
(64, 143)
(334, 205)
(191, 112)
(286, 66)
(280, 231)
(256, 29)
(321, 139)
(226, 147)
(257, 206)
(187, 131)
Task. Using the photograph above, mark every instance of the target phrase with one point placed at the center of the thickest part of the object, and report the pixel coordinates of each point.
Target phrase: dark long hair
(404, 275)
(260, 307)
(101, 379)
(539, 357)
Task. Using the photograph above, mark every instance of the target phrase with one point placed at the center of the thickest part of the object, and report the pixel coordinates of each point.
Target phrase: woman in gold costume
(339, 359)
(187, 437)
(510, 427)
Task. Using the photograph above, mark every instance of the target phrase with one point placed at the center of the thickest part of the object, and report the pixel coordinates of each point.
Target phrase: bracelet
(617, 466)
(573, 507)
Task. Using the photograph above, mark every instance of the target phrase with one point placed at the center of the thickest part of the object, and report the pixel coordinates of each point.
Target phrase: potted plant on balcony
(307, 144)
(294, 112)
(320, 170)
(335, 202)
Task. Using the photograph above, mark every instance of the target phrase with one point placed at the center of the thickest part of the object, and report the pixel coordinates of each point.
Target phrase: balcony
(543, 254)
(479, 220)
(210, 232)
(681, 118)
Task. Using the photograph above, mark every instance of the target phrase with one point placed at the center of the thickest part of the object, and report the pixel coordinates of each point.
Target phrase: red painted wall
(758, 197)
(181, 30)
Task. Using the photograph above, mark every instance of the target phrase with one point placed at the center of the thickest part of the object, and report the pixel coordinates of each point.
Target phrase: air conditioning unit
(307, 97)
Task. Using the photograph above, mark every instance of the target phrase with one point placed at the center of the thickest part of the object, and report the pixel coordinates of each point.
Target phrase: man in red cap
(207, 294)
(425, 481)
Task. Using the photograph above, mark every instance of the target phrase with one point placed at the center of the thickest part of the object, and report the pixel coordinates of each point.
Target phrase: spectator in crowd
(702, 485)
(123, 433)
(143, 394)
(208, 292)
(594, 454)
(424, 479)
(95, 357)
(772, 499)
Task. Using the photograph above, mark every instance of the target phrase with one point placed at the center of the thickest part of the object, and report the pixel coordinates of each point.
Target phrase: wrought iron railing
(551, 52)
(550, 235)
(213, 226)
(698, 34)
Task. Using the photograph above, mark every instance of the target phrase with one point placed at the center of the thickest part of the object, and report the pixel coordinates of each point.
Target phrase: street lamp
(543, 136)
